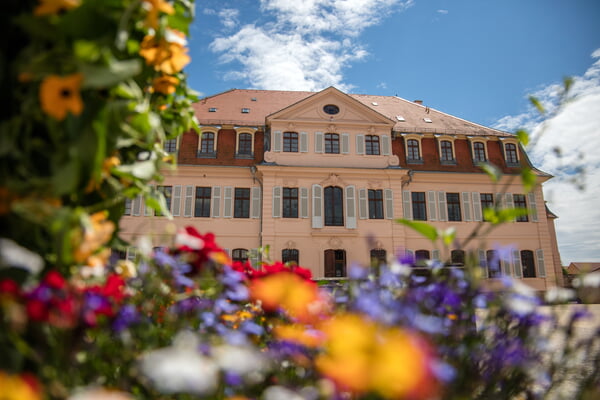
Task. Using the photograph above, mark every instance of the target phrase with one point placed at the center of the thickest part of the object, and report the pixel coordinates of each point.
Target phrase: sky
(477, 60)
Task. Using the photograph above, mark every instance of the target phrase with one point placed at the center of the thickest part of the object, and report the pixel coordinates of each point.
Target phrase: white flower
(13, 255)
(100, 394)
(245, 361)
(180, 368)
(280, 393)
(185, 239)
(559, 295)
(588, 280)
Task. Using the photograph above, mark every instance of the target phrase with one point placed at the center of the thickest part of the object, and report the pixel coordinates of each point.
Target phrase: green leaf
(537, 104)
(523, 137)
(129, 90)
(422, 227)
(448, 236)
(568, 83)
(528, 178)
(87, 51)
(141, 169)
(101, 77)
(492, 171)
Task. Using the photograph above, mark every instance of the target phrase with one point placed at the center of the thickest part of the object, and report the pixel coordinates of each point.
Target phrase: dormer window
(212, 109)
(412, 148)
(479, 152)
(446, 153)
(245, 110)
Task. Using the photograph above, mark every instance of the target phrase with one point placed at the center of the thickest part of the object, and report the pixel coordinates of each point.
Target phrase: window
(479, 152)
(520, 202)
(212, 109)
(245, 144)
(334, 206)
(245, 110)
(487, 201)
(378, 257)
(493, 263)
(167, 192)
(207, 143)
(240, 255)
(171, 145)
(453, 201)
(290, 202)
(291, 256)
(375, 204)
(527, 264)
(372, 145)
(290, 142)
(127, 210)
(202, 205)
(457, 258)
(422, 255)
(242, 203)
(331, 109)
(332, 143)
(446, 151)
(510, 150)
(335, 263)
(418, 206)
(412, 146)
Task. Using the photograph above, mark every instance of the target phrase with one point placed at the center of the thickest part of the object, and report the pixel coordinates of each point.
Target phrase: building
(320, 177)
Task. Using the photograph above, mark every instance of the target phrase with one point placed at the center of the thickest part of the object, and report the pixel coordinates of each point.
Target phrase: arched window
(335, 263)
(479, 152)
(245, 144)
(422, 255)
(372, 145)
(510, 150)
(493, 263)
(378, 257)
(457, 258)
(527, 264)
(332, 143)
(291, 256)
(290, 142)
(207, 143)
(240, 255)
(413, 153)
(334, 206)
(446, 151)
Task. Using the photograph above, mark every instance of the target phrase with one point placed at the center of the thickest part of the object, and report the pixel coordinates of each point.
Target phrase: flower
(154, 8)
(165, 84)
(59, 95)
(166, 56)
(47, 7)
(19, 387)
(97, 232)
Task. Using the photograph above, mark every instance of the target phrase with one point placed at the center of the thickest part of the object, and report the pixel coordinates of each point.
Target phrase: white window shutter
(506, 267)
(540, 261)
(435, 255)
(148, 210)
(442, 206)
(276, 141)
(385, 145)
(532, 207)
(317, 206)
(303, 142)
(431, 206)
(350, 208)
(176, 200)
(216, 201)
(254, 257)
(303, 202)
(388, 196)
(499, 201)
(255, 199)
(188, 202)
(410, 253)
(516, 258)
(406, 205)
(227, 202)
(483, 263)
(345, 143)
(136, 208)
(276, 207)
(466, 201)
(509, 202)
(477, 211)
(318, 142)
(360, 144)
(363, 208)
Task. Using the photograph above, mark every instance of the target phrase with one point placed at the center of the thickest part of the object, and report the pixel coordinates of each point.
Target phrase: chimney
(419, 102)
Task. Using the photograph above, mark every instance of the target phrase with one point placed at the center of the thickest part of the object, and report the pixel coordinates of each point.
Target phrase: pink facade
(321, 177)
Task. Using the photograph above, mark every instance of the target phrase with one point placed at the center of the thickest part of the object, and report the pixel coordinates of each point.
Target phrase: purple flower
(127, 316)
(252, 328)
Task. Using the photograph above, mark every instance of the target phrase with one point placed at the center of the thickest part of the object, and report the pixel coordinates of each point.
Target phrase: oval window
(331, 109)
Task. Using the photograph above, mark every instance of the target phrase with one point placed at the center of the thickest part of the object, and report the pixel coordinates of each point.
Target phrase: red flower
(114, 287)
(55, 280)
(37, 310)
(10, 287)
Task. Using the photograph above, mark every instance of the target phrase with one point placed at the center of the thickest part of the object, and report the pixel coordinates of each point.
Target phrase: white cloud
(306, 45)
(442, 11)
(565, 144)
(229, 17)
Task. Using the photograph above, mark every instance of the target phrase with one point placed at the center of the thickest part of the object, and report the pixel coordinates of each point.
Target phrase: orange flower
(166, 56)
(19, 387)
(47, 7)
(298, 334)
(96, 234)
(154, 8)
(58, 95)
(165, 84)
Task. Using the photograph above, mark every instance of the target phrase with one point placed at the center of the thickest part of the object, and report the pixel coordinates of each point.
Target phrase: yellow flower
(298, 334)
(58, 95)
(15, 387)
(46, 7)
(165, 84)
(167, 56)
(96, 234)
(154, 7)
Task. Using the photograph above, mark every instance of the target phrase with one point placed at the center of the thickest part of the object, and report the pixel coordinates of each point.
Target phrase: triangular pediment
(333, 106)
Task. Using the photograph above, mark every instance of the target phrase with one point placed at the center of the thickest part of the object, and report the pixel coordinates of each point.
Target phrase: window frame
(533, 272)
(413, 150)
(520, 201)
(453, 207)
(241, 203)
(290, 256)
(245, 146)
(447, 147)
(372, 145)
(167, 192)
(332, 143)
(290, 142)
(490, 257)
(203, 213)
(240, 254)
(418, 206)
(202, 140)
(511, 156)
(333, 206)
(289, 203)
(375, 200)
(457, 258)
(489, 201)
(169, 144)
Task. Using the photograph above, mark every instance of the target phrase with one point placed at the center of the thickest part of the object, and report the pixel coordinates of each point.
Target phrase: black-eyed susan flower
(50, 7)
(59, 95)
(166, 56)
(165, 84)
(155, 7)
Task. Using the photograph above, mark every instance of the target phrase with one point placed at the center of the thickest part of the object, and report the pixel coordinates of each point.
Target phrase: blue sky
(478, 60)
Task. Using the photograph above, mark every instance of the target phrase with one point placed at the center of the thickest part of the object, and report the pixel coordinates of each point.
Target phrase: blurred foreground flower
(19, 387)
(48, 7)
(59, 95)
